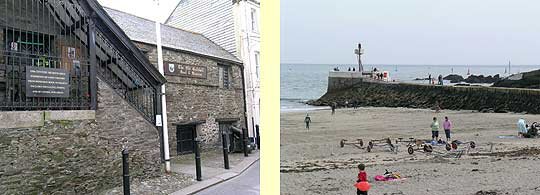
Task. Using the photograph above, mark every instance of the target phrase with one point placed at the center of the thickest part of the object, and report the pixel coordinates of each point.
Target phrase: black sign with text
(176, 69)
(46, 82)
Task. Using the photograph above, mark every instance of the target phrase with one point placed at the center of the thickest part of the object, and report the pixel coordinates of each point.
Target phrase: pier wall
(487, 99)
(342, 80)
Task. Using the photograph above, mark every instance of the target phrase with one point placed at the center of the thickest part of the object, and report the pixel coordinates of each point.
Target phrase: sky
(448, 32)
(143, 8)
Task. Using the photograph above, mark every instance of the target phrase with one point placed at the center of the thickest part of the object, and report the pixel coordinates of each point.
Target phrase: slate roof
(144, 30)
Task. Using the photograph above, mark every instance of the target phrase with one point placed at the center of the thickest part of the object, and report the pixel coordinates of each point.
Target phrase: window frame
(254, 23)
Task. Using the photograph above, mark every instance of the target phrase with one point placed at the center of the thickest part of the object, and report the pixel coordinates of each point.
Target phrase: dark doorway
(224, 127)
(185, 137)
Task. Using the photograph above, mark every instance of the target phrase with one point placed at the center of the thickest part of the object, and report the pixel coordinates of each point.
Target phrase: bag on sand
(362, 186)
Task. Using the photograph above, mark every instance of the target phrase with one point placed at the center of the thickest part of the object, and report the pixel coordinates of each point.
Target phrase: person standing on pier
(307, 120)
(429, 79)
(440, 80)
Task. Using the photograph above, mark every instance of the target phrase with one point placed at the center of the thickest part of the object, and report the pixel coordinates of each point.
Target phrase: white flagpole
(163, 98)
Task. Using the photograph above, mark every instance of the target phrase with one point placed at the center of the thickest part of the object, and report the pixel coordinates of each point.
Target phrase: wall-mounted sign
(175, 69)
(14, 46)
(46, 82)
(71, 53)
(159, 123)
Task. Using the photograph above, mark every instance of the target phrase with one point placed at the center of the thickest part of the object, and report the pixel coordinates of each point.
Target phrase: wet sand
(312, 161)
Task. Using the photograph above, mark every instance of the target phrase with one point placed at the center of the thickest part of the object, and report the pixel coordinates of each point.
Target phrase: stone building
(74, 92)
(234, 25)
(204, 88)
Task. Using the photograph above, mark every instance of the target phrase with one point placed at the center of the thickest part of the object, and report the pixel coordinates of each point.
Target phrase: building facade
(234, 25)
(74, 92)
(204, 88)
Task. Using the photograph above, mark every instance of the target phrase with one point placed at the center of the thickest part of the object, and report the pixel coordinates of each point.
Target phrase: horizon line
(293, 63)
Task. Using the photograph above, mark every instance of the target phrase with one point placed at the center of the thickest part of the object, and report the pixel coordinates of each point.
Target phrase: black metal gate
(40, 39)
(43, 39)
(185, 137)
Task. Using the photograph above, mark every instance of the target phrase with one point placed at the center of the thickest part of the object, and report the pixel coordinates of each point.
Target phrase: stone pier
(349, 91)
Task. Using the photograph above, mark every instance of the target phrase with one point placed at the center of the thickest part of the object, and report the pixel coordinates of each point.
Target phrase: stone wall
(489, 99)
(193, 99)
(79, 155)
(343, 80)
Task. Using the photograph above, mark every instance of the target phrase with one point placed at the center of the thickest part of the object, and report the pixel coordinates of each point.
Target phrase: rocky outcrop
(482, 79)
(454, 78)
(529, 80)
(429, 96)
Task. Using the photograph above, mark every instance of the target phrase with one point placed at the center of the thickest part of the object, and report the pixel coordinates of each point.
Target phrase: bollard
(245, 141)
(225, 149)
(258, 137)
(125, 166)
(198, 159)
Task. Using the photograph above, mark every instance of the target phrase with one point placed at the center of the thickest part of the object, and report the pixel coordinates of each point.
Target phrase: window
(254, 26)
(224, 76)
(257, 66)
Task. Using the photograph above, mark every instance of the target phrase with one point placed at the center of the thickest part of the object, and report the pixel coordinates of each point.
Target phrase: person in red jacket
(362, 176)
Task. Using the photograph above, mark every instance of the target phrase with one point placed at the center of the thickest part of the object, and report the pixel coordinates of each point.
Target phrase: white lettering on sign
(176, 69)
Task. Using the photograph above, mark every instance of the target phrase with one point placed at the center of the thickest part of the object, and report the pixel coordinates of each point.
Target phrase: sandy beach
(312, 161)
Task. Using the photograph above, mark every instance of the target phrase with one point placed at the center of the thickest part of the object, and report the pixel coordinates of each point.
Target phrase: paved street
(245, 184)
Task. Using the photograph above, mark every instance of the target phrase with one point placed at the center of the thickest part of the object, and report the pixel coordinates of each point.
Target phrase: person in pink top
(447, 125)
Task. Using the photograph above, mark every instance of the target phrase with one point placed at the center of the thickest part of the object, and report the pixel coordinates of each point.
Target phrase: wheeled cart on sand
(416, 145)
(456, 143)
(357, 143)
(382, 143)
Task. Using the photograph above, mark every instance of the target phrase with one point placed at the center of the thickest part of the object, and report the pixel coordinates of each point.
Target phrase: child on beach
(362, 177)
(435, 129)
(447, 125)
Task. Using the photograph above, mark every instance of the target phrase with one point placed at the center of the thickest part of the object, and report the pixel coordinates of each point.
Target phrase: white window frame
(254, 23)
(257, 64)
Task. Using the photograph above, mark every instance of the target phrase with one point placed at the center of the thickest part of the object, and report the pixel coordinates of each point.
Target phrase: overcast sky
(466, 32)
(143, 8)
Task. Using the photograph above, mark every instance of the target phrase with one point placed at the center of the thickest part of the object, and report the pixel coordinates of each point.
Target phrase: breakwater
(351, 91)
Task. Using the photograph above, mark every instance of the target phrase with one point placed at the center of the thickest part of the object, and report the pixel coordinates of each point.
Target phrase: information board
(46, 82)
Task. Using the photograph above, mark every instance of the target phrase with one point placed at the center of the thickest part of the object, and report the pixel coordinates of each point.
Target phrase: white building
(234, 25)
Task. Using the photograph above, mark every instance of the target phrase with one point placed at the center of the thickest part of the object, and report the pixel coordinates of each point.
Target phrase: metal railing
(49, 35)
(114, 69)
(56, 37)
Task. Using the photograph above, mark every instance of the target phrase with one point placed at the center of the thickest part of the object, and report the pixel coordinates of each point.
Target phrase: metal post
(225, 149)
(159, 111)
(163, 97)
(258, 137)
(93, 61)
(360, 66)
(125, 166)
(245, 142)
(198, 159)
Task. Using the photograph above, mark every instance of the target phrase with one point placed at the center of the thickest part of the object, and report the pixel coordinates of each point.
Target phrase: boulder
(454, 78)
(482, 79)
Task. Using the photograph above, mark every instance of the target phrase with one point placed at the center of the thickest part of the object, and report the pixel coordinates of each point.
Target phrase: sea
(303, 82)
